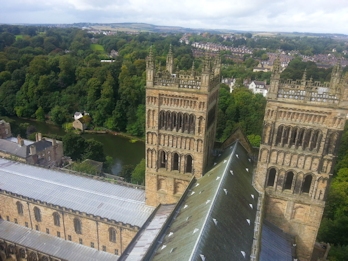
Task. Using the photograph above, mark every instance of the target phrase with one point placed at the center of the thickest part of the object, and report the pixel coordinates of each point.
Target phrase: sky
(317, 16)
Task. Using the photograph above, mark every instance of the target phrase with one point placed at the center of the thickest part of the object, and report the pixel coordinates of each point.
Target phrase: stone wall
(94, 230)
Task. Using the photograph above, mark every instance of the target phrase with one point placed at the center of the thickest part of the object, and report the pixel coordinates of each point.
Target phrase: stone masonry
(302, 127)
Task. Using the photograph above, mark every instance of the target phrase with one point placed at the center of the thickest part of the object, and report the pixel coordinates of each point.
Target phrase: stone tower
(181, 110)
(302, 128)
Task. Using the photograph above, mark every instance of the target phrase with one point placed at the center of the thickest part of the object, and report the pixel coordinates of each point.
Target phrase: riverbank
(124, 149)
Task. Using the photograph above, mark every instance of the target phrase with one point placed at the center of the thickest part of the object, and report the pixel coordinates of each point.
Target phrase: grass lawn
(97, 47)
(19, 36)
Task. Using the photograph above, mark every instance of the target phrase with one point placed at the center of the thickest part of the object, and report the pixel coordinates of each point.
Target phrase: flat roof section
(112, 201)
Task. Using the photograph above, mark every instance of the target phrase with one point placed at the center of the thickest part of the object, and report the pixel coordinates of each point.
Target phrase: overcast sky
(319, 16)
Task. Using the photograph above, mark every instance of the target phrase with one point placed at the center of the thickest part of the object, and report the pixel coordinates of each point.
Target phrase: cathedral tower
(181, 110)
(302, 127)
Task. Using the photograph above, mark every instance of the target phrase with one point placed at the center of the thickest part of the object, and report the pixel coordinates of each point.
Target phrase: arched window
(77, 226)
(163, 159)
(189, 160)
(192, 126)
(279, 134)
(175, 161)
(56, 219)
(271, 177)
(288, 180)
(19, 208)
(112, 234)
(307, 184)
(37, 214)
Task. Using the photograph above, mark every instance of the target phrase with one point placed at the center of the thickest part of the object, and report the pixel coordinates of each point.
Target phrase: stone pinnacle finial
(304, 77)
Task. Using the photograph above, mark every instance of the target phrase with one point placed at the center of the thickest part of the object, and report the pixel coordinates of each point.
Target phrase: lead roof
(212, 223)
(106, 200)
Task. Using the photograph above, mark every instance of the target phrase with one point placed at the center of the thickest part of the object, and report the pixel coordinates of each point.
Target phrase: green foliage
(138, 174)
(126, 172)
(255, 140)
(40, 114)
(78, 148)
(85, 167)
(59, 115)
(239, 109)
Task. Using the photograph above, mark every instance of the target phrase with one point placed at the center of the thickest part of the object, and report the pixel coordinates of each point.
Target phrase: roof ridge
(214, 199)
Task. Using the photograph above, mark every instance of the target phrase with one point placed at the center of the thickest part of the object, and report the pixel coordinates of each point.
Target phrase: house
(258, 87)
(81, 120)
(43, 151)
(230, 82)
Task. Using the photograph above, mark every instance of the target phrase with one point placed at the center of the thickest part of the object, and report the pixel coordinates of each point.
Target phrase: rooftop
(216, 220)
(115, 202)
(51, 245)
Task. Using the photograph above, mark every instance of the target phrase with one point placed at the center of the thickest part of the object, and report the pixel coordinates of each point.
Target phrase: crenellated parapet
(156, 77)
(333, 93)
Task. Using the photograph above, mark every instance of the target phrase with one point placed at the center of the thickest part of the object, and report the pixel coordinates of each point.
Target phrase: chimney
(38, 136)
(20, 141)
(32, 150)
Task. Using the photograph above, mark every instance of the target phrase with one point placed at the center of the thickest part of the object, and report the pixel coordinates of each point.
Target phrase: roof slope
(51, 245)
(11, 147)
(212, 223)
(115, 202)
(275, 244)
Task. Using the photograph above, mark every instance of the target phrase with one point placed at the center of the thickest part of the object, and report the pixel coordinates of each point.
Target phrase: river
(119, 148)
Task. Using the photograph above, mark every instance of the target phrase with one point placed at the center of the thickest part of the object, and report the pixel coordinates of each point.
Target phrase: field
(97, 47)
(19, 36)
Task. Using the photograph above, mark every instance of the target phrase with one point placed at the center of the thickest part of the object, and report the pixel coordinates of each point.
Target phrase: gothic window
(279, 134)
(180, 121)
(77, 226)
(186, 122)
(306, 139)
(174, 123)
(167, 120)
(22, 253)
(56, 219)
(200, 120)
(33, 256)
(19, 208)
(288, 180)
(163, 159)
(37, 214)
(294, 133)
(285, 135)
(161, 120)
(300, 137)
(307, 184)
(112, 234)
(189, 161)
(267, 133)
(315, 137)
(192, 124)
(271, 177)
(175, 161)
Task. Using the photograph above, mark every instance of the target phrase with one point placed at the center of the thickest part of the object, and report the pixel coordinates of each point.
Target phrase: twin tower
(181, 111)
(302, 127)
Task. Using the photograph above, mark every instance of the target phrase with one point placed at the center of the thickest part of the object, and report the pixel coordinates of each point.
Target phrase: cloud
(254, 15)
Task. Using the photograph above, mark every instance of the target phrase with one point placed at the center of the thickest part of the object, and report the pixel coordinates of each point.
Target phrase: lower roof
(51, 245)
(106, 200)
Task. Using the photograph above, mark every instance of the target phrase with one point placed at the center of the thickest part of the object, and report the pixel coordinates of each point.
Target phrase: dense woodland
(49, 73)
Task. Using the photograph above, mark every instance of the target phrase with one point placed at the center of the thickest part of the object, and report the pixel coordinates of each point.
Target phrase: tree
(126, 172)
(138, 174)
(40, 114)
(73, 146)
(93, 150)
(59, 115)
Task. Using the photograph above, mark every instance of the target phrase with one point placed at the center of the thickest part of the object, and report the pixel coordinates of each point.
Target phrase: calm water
(119, 148)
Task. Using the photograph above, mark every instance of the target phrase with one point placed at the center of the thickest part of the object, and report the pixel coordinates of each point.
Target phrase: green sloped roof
(212, 222)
